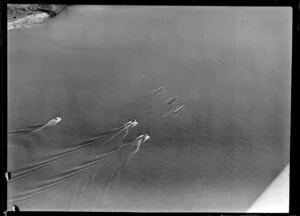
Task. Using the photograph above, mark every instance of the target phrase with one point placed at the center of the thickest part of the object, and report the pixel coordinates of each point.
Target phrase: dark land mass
(17, 11)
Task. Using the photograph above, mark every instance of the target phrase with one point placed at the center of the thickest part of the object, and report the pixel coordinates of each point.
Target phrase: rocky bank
(25, 15)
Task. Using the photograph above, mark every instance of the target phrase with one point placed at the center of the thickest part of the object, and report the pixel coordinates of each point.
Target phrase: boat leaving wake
(106, 148)
(35, 128)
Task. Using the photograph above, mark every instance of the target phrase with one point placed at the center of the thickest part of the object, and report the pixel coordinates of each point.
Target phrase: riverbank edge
(24, 16)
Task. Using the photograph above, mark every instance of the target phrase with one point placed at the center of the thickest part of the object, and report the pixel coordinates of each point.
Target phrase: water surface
(94, 66)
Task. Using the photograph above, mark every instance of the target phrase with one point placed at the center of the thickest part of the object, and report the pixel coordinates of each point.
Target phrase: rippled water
(95, 66)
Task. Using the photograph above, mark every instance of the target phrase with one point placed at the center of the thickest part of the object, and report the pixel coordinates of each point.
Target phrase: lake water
(95, 66)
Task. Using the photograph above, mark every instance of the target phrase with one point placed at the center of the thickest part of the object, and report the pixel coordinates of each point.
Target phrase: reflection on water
(95, 66)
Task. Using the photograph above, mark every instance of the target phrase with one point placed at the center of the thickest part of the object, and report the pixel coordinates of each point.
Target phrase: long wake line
(63, 155)
(69, 174)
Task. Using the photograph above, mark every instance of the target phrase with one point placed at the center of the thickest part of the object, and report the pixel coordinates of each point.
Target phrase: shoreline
(21, 16)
